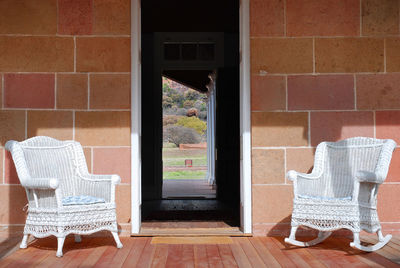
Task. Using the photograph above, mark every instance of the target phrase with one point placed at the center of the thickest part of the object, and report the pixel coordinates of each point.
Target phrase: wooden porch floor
(225, 252)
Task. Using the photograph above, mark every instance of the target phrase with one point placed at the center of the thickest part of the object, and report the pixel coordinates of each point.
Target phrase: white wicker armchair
(63, 198)
(341, 191)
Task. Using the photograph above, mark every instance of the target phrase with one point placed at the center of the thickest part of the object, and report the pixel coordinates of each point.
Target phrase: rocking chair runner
(63, 197)
(341, 191)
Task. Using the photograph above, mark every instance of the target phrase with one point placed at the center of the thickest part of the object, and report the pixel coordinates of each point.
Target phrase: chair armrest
(41, 183)
(294, 175)
(367, 176)
(303, 184)
(9, 145)
(114, 178)
(99, 186)
(366, 185)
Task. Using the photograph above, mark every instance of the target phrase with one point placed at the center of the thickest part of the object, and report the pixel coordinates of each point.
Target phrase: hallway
(188, 188)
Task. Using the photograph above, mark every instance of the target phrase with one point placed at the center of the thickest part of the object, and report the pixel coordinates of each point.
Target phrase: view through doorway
(188, 48)
(187, 142)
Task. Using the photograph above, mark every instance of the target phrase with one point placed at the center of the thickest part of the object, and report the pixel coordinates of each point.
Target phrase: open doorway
(188, 141)
(188, 42)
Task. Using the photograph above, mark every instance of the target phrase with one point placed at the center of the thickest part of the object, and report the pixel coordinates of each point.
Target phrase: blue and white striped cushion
(81, 200)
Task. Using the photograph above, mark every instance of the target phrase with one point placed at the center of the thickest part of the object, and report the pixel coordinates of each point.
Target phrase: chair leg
(293, 231)
(24, 243)
(60, 244)
(292, 238)
(78, 238)
(116, 238)
(383, 240)
(380, 236)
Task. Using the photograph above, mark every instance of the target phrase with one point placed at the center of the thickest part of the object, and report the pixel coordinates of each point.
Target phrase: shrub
(181, 111)
(180, 135)
(177, 99)
(194, 123)
(170, 119)
(166, 88)
(192, 112)
(167, 102)
(188, 104)
(203, 115)
(171, 111)
(191, 94)
(200, 105)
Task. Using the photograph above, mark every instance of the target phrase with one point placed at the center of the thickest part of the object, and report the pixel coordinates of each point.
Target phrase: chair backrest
(344, 158)
(46, 157)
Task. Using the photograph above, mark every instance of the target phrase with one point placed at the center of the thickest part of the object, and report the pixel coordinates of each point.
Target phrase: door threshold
(195, 197)
(151, 231)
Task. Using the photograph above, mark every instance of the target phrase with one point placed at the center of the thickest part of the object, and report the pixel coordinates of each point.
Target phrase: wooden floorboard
(250, 251)
(311, 260)
(160, 256)
(135, 253)
(21, 260)
(191, 240)
(324, 256)
(282, 259)
(121, 255)
(83, 256)
(232, 231)
(343, 250)
(188, 255)
(200, 256)
(9, 245)
(242, 252)
(395, 240)
(106, 258)
(264, 253)
(291, 254)
(175, 255)
(364, 257)
(214, 259)
(395, 246)
(240, 256)
(146, 258)
(226, 255)
(390, 252)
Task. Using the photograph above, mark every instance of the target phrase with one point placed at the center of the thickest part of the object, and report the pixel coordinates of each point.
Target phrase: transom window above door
(189, 51)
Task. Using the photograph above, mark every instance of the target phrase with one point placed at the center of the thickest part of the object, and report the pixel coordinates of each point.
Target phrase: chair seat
(81, 200)
(325, 198)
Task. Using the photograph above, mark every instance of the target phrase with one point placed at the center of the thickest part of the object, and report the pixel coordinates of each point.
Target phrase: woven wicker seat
(341, 191)
(54, 172)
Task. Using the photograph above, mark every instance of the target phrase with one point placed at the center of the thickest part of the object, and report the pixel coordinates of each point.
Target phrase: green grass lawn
(183, 174)
(177, 162)
(173, 157)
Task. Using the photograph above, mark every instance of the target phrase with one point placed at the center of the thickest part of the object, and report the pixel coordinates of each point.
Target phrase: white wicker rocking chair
(63, 198)
(341, 191)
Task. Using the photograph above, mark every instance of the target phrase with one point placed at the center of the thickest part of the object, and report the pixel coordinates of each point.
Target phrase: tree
(181, 135)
